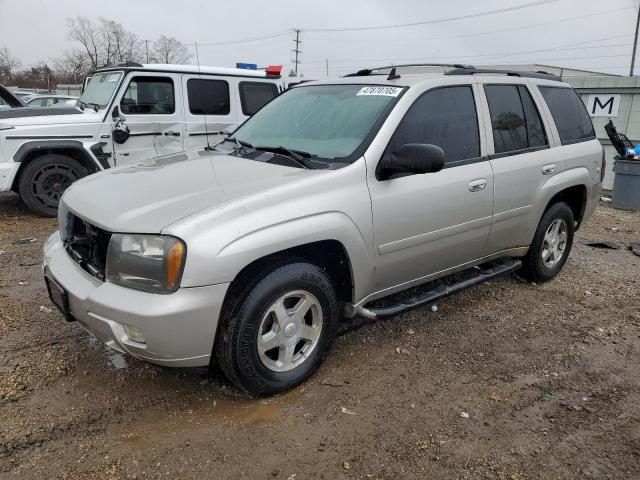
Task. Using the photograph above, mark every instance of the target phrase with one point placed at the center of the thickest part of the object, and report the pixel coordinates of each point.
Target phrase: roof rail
(129, 64)
(510, 73)
(370, 71)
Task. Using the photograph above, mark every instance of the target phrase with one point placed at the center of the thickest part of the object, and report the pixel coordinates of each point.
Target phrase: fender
(240, 252)
(90, 153)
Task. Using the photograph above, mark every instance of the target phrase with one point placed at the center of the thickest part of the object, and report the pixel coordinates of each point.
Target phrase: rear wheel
(279, 331)
(44, 180)
(551, 244)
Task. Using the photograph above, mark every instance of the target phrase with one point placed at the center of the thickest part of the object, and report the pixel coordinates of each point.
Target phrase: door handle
(172, 133)
(478, 185)
(549, 169)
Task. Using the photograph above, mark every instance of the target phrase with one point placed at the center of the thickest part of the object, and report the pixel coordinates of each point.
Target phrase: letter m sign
(603, 105)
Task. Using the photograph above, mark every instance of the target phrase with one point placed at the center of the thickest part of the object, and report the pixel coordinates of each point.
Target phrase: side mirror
(412, 159)
(115, 113)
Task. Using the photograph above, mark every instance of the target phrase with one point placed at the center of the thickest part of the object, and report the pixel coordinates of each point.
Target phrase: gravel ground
(505, 381)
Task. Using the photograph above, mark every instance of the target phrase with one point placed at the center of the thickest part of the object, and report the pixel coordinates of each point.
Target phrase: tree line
(99, 43)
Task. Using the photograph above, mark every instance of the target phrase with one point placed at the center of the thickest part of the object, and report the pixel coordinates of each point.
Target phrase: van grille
(87, 245)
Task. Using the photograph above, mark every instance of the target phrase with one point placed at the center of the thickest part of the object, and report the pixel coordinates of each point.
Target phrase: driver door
(149, 106)
(429, 223)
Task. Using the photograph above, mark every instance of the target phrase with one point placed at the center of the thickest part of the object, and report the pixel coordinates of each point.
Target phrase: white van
(126, 113)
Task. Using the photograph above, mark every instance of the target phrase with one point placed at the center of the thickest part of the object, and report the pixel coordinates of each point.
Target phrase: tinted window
(507, 118)
(148, 96)
(445, 117)
(208, 97)
(254, 95)
(536, 135)
(569, 114)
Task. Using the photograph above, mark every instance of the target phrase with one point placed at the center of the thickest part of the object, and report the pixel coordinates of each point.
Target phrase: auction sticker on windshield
(384, 91)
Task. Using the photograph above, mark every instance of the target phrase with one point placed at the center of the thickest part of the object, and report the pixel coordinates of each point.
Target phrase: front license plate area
(59, 297)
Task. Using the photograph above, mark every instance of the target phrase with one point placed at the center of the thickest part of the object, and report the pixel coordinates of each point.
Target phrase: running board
(441, 291)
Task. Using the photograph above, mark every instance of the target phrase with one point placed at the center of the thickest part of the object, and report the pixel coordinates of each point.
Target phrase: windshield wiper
(241, 145)
(299, 156)
(84, 105)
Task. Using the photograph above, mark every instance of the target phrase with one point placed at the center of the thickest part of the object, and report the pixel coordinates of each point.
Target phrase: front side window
(208, 97)
(332, 122)
(569, 114)
(100, 88)
(148, 96)
(445, 117)
(255, 95)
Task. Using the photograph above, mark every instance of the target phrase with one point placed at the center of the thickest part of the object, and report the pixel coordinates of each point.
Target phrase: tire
(253, 325)
(43, 181)
(535, 267)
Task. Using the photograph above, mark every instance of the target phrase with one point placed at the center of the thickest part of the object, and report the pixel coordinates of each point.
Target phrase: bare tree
(71, 67)
(170, 50)
(8, 65)
(104, 43)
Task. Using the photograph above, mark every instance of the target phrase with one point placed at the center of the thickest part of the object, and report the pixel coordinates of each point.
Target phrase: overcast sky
(590, 34)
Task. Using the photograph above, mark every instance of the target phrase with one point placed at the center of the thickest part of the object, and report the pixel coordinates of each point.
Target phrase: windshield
(100, 88)
(325, 121)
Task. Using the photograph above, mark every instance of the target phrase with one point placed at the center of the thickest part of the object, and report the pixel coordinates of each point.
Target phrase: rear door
(425, 224)
(149, 105)
(254, 95)
(521, 159)
(210, 109)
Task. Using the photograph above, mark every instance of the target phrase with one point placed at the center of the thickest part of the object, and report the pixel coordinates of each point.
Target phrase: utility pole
(296, 50)
(326, 60)
(146, 43)
(635, 44)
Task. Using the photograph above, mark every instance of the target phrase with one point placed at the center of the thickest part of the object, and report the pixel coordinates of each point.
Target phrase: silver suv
(332, 196)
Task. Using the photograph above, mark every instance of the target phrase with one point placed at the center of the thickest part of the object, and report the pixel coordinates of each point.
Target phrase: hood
(149, 196)
(29, 116)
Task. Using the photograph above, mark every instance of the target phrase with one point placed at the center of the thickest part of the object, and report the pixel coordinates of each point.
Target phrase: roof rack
(510, 73)
(370, 71)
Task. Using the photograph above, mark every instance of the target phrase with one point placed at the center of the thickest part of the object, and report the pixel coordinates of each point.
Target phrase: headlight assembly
(152, 263)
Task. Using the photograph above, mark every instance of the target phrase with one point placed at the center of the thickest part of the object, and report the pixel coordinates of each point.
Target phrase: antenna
(204, 114)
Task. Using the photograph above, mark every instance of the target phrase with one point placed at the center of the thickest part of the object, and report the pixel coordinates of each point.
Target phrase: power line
(448, 37)
(247, 40)
(430, 22)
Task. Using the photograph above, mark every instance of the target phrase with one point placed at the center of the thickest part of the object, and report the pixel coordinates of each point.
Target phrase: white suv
(126, 114)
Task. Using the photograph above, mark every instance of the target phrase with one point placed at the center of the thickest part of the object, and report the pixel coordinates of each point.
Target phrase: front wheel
(280, 331)
(551, 244)
(44, 180)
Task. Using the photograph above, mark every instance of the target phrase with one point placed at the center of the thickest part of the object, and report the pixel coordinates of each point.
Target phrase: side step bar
(441, 291)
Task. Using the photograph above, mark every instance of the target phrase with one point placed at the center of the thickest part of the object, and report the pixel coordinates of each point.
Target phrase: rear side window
(149, 96)
(515, 119)
(208, 97)
(569, 114)
(445, 117)
(254, 95)
(507, 118)
(536, 135)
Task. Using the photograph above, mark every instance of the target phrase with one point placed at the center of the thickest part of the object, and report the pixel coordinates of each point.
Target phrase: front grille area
(87, 245)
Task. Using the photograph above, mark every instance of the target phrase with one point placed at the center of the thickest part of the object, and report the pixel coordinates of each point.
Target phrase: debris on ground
(25, 241)
(346, 411)
(602, 244)
(464, 414)
(44, 309)
(635, 248)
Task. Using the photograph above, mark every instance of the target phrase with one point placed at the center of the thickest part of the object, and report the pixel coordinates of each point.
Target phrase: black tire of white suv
(551, 244)
(43, 181)
(253, 340)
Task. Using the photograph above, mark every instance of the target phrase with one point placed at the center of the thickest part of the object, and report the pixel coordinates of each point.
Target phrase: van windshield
(100, 88)
(326, 121)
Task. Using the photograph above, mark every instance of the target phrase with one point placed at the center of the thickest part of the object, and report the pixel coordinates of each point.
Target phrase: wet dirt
(508, 380)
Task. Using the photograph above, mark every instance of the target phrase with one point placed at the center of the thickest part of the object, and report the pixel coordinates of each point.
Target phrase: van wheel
(551, 244)
(44, 180)
(279, 331)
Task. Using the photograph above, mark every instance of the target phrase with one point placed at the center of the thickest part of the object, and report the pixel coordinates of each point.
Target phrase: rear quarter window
(255, 95)
(569, 114)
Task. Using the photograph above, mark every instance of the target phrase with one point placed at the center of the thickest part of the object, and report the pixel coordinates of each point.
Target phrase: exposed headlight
(152, 263)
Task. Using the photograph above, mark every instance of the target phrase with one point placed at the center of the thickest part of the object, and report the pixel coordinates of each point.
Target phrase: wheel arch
(75, 149)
